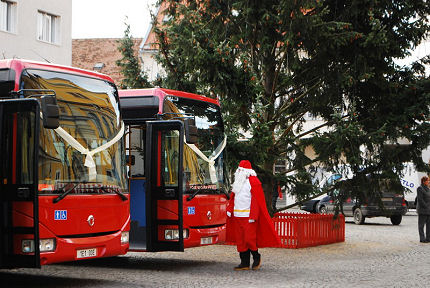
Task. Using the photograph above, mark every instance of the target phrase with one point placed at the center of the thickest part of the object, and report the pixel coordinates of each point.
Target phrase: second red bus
(175, 145)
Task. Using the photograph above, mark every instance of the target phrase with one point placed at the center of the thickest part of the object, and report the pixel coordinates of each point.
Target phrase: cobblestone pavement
(376, 254)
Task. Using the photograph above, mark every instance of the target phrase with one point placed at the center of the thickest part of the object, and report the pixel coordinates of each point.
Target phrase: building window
(280, 166)
(48, 27)
(7, 16)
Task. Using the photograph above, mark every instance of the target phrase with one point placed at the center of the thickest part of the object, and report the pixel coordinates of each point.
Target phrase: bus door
(19, 138)
(164, 185)
(135, 140)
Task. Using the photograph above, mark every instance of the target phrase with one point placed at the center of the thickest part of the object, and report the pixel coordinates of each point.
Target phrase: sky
(419, 52)
(105, 18)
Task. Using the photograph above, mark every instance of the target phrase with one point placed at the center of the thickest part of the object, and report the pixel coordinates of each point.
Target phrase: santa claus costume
(248, 223)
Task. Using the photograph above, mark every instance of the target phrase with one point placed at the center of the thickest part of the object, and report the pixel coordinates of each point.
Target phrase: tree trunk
(268, 183)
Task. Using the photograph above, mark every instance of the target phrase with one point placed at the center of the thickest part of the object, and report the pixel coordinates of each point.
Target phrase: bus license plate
(206, 240)
(86, 253)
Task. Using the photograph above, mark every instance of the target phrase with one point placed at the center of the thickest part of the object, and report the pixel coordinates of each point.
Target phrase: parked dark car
(310, 206)
(393, 206)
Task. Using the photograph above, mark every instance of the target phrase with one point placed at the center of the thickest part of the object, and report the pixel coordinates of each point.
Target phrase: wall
(87, 52)
(23, 42)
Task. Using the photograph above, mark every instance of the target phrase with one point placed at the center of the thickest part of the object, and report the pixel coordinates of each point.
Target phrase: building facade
(149, 48)
(39, 30)
(100, 54)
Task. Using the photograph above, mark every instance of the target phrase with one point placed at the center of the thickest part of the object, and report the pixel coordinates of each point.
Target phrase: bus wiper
(116, 191)
(189, 198)
(225, 193)
(65, 191)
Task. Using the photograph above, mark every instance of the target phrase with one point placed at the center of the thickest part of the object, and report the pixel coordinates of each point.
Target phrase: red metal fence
(298, 230)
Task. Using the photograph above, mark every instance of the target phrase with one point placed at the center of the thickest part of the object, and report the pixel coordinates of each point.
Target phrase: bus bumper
(205, 236)
(73, 249)
(376, 211)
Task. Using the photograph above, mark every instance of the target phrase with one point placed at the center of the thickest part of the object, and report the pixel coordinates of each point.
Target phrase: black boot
(257, 260)
(244, 261)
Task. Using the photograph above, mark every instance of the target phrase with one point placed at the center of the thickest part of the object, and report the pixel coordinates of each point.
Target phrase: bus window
(210, 144)
(137, 149)
(26, 126)
(171, 159)
(90, 115)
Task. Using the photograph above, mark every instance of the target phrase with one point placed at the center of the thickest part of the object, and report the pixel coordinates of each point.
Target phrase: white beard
(240, 177)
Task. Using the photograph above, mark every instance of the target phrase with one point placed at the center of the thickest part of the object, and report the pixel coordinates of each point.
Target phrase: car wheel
(358, 216)
(396, 219)
(323, 210)
(315, 210)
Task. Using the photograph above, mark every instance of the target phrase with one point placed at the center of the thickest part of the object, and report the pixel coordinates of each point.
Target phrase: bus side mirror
(190, 131)
(7, 82)
(50, 111)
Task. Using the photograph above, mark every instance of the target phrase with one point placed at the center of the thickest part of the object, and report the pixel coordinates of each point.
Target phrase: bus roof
(20, 64)
(162, 92)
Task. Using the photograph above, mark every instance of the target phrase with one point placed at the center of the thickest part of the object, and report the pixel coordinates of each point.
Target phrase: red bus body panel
(111, 214)
(211, 211)
(111, 217)
(208, 210)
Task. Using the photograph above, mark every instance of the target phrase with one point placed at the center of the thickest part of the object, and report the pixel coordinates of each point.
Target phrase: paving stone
(376, 254)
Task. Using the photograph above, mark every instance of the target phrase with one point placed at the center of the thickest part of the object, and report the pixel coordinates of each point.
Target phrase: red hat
(245, 164)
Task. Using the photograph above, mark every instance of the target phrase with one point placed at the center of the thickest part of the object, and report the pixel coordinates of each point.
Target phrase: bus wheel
(396, 219)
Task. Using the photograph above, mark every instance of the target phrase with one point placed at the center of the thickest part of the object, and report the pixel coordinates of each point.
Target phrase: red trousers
(246, 234)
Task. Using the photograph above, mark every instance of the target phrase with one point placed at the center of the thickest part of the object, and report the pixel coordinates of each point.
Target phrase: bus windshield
(198, 173)
(87, 148)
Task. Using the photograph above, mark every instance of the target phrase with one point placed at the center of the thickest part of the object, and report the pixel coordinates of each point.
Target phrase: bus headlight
(124, 237)
(45, 245)
(27, 246)
(173, 234)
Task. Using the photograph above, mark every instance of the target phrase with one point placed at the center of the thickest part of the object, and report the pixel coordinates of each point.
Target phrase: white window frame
(7, 16)
(48, 27)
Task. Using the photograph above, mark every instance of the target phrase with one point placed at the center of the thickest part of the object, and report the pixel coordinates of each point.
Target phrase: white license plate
(206, 240)
(387, 199)
(86, 253)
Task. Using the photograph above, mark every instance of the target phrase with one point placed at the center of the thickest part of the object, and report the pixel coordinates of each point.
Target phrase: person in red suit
(248, 223)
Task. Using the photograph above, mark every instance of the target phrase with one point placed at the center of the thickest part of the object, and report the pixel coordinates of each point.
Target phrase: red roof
(162, 92)
(19, 65)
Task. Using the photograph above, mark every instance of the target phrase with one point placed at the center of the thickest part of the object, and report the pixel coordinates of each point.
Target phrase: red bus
(64, 193)
(174, 142)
